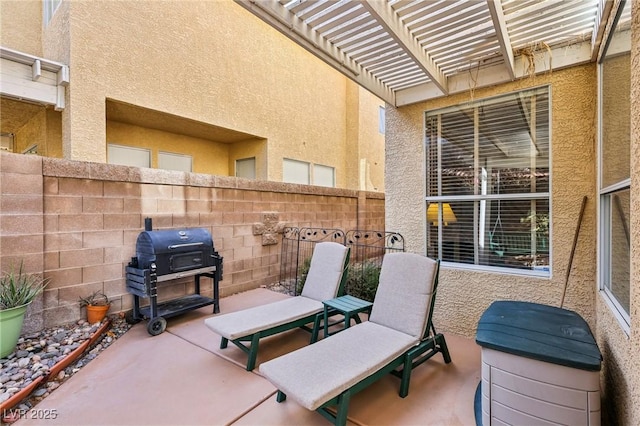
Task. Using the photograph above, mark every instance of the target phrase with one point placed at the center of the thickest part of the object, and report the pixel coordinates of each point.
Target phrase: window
(381, 120)
(172, 161)
(6, 142)
(614, 168)
(128, 156)
(295, 171)
(487, 180)
(49, 7)
(323, 175)
(246, 168)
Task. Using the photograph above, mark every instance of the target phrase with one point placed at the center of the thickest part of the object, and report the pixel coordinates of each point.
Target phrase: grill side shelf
(144, 283)
(141, 282)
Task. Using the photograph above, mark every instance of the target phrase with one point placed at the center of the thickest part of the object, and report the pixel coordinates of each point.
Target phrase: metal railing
(367, 250)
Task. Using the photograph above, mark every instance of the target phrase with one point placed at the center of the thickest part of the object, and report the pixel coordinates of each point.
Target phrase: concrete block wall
(77, 223)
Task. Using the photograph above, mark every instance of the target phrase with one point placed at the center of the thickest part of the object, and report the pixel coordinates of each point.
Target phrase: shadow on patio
(182, 377)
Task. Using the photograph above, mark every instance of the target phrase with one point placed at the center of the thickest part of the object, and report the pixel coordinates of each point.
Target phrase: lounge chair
(398, 337)
(325, 279)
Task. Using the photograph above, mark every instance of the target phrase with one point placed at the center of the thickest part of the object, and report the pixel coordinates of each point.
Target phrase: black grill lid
(158, 246)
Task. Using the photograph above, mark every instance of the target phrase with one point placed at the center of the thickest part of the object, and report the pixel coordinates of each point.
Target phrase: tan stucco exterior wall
(208, 61)
(207, 157)
(573, 97)
(21, 26)
(633, 355)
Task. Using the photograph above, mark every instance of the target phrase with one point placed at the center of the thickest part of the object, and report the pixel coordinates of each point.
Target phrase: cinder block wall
(77, 223)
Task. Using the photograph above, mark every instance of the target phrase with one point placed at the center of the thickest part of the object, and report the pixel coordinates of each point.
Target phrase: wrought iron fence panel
(289, 259)
(297, 249)
(367, 250)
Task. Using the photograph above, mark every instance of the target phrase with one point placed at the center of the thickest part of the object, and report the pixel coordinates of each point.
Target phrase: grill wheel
(156, 326)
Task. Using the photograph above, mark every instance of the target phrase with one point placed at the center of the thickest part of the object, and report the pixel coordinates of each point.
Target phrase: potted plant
(97, 304)
(17, 291)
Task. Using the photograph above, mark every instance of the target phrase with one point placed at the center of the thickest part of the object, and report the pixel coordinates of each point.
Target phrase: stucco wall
(209, 61)
(573, 97)
(207, 156)
(21, 25)
(633, 357)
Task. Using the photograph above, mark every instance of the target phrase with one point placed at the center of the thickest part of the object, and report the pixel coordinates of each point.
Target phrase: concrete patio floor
(181, 377)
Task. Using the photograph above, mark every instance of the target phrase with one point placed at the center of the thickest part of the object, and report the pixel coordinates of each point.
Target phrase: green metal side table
(349, 307)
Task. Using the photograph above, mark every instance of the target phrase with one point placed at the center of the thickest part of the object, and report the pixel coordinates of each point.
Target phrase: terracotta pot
(96, 313)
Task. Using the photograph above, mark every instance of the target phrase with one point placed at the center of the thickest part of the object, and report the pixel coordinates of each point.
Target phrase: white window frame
(133, 151)
(175, 161)
(382, 113)
(604, 223)
(49, 8)
(320, 171)
(545, 271)
(291, 175)
(250, 162)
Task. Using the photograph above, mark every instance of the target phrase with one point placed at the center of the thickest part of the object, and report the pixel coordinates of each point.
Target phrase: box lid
(541, 332)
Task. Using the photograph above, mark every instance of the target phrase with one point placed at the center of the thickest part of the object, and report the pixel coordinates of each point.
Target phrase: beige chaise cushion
(322, 283)
(249, 321)
(314, 374)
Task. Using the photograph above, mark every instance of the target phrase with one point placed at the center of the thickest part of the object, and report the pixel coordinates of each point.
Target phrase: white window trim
(602, 267)
(547, 275)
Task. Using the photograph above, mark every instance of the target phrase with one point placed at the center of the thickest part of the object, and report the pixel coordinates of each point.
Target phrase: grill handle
(177, 246)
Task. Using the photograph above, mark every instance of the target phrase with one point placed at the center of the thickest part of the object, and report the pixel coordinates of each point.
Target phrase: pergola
(408, 51)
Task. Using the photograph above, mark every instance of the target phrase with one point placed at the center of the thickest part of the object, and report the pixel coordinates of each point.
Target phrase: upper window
(128, 156)
(246, 168)
(487, 172)
(615, 166)
(324, 175)
(381, 120)
(49, 8)
(294, 171)
(173, 161)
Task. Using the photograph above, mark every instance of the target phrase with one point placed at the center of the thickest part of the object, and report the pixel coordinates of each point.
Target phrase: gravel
(36, 354)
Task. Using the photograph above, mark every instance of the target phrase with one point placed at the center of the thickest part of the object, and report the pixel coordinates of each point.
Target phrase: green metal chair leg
(316, 328)
(224, 342)
(343, 408)
(281, 396)
(406, 376)
(253, 351)
(443, 348)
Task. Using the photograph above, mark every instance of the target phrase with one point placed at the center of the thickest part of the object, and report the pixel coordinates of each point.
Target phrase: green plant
(97, 298)
(17, 289)
(540, 220)
(304, 271)
(363, 281)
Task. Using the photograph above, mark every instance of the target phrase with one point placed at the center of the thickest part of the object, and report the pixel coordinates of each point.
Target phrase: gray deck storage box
(540, 365)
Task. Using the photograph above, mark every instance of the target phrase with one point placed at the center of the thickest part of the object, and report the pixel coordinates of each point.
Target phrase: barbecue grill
(166, 255)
